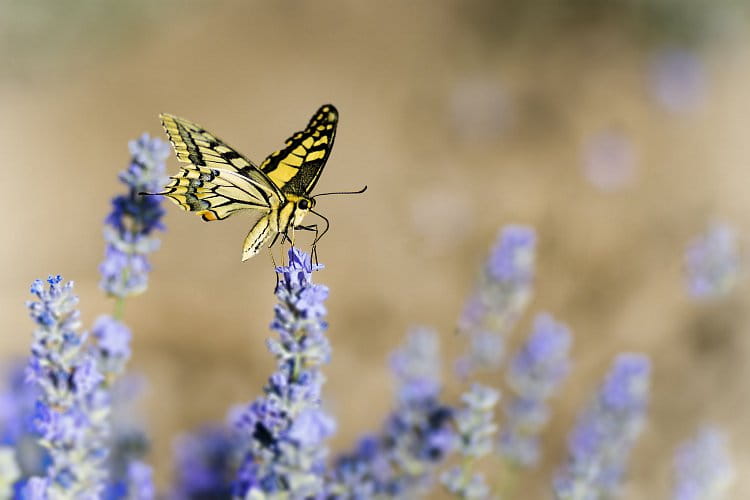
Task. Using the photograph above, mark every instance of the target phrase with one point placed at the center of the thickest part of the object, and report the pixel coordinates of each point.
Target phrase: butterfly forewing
(297, 168)
(196, 146)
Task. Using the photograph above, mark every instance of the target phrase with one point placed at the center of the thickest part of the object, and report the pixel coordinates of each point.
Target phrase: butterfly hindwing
(296, 168)
(215, 194)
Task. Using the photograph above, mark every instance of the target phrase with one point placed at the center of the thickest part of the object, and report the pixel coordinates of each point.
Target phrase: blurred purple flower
(112, 346)
(609, 160)
(71, 413)
(205, 464)
(416, 438)
(132, 220)
(599, 446)
(678, 80)
(501, 294)
(279, 460)
(140, 481)
(475, 428)
(36, 488)
(702, 467)
(416, 366)
(713, 262)
(534, 374)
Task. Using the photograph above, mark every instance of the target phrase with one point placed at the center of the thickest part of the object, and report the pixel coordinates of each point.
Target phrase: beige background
(444, 173)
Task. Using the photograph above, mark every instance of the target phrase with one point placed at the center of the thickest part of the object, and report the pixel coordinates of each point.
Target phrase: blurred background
(618, 129)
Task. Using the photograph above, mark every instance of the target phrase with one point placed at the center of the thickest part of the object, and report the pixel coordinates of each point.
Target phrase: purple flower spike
(534, 374)
(71, 410)
(702, 467)
(501, 294)
(112, 345)
(475, 428)
(713, 263)
(285, 430)
(417, 437)
(204, 462)
(129, 227)
(599, 446)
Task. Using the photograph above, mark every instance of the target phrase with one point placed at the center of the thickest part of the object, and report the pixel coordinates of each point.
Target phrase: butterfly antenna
(143, 193)
(341, 192)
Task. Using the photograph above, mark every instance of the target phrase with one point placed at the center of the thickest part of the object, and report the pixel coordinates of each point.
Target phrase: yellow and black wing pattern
(297, 168)
(217, 180)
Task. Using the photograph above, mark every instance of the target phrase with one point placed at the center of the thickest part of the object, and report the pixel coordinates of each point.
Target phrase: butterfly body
(218, 181)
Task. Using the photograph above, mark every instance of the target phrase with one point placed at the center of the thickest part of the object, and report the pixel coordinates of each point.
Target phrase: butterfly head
(302, 205)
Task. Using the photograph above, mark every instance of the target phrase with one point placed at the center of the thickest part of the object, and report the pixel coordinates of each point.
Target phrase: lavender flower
(133, 219)
(286, 429)
(416, 438)
(71, 412)
(600, 444)
(17, 410)
(417, 366)
(112, 346)
(475, 428)
(36, 488)
(140, 481)
(534, 374)
(702, 467)
(205, 464)
(713, 262)
(500, 296)
(128, 442)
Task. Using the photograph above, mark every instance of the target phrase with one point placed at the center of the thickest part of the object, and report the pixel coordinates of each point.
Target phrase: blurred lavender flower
(36, 488)
(140, 481)
(128, 442)
(416, 366)
(205, 464)
(475, 428)
(713, 262)
(133, 219)
(9, 471)
(678, 80)
(609, 160)
(286, 429)
(112, 346)
(702, 467)
(416, 438)
(534, 374)
(599, 446)
(501, 294)
(71, 411)
(17, 410)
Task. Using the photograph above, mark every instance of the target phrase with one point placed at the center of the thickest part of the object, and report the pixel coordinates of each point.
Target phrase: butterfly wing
(297, 168)
(217, 180)
(216, 194)
(198, 147)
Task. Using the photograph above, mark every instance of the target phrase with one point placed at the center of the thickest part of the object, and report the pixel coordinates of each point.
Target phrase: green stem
(119, 311)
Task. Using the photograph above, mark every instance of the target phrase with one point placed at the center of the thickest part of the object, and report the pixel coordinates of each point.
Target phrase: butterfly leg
(314, 250)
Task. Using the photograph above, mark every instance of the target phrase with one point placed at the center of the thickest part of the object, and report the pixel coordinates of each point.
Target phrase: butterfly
(217, 181)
